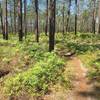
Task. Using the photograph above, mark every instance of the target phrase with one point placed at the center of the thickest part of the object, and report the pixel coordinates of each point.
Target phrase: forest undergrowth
(32, 70)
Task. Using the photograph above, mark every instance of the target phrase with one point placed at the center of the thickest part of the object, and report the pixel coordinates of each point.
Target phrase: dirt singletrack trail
(82, 90)
(81, 82)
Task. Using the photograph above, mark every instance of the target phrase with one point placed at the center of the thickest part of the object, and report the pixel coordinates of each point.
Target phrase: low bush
(37, 79)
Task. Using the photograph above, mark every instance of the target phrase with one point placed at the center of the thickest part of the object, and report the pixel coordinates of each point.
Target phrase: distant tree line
(48, 16)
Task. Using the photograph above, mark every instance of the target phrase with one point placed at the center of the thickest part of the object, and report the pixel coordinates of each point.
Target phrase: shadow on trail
(94, 93)
(3, 73)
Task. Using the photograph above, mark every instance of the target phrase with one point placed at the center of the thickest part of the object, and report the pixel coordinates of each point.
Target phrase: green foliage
(95, 73)
(92, 61)
(43, 68)
(81, 43)
(86, 46)
(38, 78)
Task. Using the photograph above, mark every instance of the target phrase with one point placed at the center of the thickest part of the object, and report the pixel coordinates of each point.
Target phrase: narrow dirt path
(83, 89)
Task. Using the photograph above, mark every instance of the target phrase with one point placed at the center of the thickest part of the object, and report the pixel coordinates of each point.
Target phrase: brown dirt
(83, 88)
(80, 83)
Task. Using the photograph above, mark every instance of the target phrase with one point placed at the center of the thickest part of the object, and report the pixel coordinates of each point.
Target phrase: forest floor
(74, 68)
(83, 89)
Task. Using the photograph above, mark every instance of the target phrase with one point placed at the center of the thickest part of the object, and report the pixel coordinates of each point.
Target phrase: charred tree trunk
(94, 15)
(5, 21)
(36, 21)
(15, 16)
(25, 22)
(99, 18)
(52, 25)
(20, 28)
(1, 21)
(75, 17)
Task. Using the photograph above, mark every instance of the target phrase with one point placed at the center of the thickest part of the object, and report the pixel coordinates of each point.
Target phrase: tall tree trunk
(1, 20)
(68, 17)
(11, 20)
(36, 21)
(99, 27)
(94, 15)
(79, 15)
(63, 14)
(25, 22)
(20, 28)
(52, 25)
(5, 21)
(46, 26)
(99, 18)
(75, 17)
(15, 16)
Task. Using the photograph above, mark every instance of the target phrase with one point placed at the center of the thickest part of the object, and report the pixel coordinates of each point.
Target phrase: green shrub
(38, 78)
(95, 73)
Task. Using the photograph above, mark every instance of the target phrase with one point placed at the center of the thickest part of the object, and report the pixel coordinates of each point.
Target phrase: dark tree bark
(46, 26)
(94, 15)
(1, 21)
(75, 17)
(99, 18)
(15, 16)
(20, 28)
(68, 17)
(99, 27)
(36, 21)
(5, 21)
(52, 25)
(25, 22)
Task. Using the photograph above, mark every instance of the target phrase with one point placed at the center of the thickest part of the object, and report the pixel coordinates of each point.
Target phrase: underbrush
(38, 78)
(45, 69)
(87, 47)
(92, 62)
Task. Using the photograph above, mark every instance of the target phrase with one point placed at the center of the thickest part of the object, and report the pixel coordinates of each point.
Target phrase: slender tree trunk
(36, 21)
(1, 20)
(68, 17)
(25, 22)
(52, 25)
(5, 21)
(99, 18)
(75, 17)
(94, 15)
(20, 28)
(15, 16)
(46, 26)
(63, 14)
(99, 27)
(11, 21)
(79, 15)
